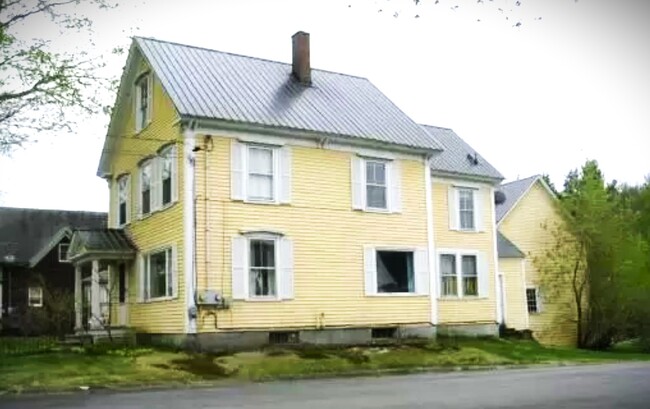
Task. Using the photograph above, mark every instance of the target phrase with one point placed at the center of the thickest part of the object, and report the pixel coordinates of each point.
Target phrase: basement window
(395, 272)
(379, 333)
(284, 337)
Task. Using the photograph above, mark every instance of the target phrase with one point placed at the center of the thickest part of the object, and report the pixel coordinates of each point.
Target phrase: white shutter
(174, 158)
(421, 270)
(370, 269)
(141, 280)
(286, 268)
(483, 276)
(358, 183)
(239, 267)
(237, 171)
(174, 271)
(285, 174)
(478, 209)
(452, 204)
(395, 187)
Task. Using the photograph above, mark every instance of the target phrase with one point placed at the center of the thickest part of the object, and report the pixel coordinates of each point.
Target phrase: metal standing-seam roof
(513, 192)
(454, 158)
(103, 241)
(209, 84)
(506, 248)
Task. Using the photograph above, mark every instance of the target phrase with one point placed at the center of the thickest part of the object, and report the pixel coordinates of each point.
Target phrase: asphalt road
(617, 386)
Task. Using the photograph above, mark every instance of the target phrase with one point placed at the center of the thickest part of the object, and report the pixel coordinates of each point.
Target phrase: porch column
(78, 301)
(95, 312)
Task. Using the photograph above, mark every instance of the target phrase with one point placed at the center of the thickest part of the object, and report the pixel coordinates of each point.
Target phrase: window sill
(397, 295)
(262, 202)
(467, 298)
(158, 300)
(150, 214)
(263, 299)
(139, 132)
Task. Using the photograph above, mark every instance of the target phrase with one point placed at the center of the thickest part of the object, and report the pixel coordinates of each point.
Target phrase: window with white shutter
(262, 267)
(376, 185)
(396, 271)
(465, 211)
(260, 173)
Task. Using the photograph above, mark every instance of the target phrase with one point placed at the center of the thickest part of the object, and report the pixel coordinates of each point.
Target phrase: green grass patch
(114, 367)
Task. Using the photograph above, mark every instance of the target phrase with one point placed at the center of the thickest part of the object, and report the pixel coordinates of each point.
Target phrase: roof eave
(219, 124)
(477, 178)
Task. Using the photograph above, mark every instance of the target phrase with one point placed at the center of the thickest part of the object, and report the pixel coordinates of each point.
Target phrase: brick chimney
(301, 69)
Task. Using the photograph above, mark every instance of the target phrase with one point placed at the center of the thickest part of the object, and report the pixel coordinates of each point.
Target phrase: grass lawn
(72, 369)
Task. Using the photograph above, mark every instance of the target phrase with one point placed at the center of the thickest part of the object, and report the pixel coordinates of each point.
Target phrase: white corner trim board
(433, 272)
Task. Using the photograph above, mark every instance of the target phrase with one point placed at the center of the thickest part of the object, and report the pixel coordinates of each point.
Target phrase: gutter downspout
(433, 281)
(497, 288)
(189, 227)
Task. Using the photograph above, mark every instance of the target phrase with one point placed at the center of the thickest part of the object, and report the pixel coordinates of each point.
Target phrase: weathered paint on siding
(328, 239)
(524, 227)
(515, 293)
(162, 228)
(465, 310)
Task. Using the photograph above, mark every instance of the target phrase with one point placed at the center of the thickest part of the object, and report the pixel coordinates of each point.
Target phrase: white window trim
(459, 253)
(474, 209)
(387, 184)
(156, 192)
(29, 296)
(275, 188)
(406, 249)
(127, 217)
(142, 77)
(276, 247)
(67, 246)
(174, 172)
(146, 282)
(537, 301)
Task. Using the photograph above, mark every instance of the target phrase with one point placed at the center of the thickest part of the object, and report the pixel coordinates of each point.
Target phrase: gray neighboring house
(34, 267)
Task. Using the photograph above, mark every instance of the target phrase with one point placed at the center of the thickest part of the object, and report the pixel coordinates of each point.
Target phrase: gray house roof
(454, 159)
(506, 248)
(24, 233)
(214, 85)
(104, 241)
(513, 192)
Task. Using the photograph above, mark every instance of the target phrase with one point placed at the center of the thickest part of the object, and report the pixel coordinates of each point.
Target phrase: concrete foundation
(469, 330)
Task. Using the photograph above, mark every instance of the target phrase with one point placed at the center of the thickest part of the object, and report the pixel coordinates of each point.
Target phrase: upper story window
(376, 185)
(463, 273)
(465, 209)
(143, 100)
(123, 189)
(260, 173)
(145, 187)
(157, 181)
(63, 252)
(376, 188)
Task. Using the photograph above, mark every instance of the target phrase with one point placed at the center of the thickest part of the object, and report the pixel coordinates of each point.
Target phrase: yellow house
(254, 201)
(525, 220)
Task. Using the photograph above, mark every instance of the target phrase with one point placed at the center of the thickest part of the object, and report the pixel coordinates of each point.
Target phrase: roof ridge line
(196, 47)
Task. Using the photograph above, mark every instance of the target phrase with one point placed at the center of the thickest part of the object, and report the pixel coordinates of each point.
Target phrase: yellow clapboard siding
(162, 228)
(465, 310)
(524, 227)
(328, 239)
(515, 294)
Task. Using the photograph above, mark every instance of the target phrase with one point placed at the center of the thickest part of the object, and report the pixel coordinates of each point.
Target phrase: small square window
(63, 252)
(35, 296)
(395, 272)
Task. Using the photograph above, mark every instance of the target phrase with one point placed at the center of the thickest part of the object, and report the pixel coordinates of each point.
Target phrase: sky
(570, 83)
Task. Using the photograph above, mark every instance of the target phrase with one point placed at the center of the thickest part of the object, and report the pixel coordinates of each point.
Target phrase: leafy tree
(38, 85)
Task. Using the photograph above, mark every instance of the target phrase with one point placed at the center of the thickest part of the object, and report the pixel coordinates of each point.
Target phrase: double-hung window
(465, 209)
(376, 185)
(123, 188)
(463, 273)
(376, 188)
(261, 173)
(159, 274)
(142, 101)
(146, 187)
(262, 270)
(35, 296)
(166, 174)
(533, 300)
(63, 252)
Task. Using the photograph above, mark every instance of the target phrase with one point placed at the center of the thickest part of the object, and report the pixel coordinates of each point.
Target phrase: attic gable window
(142, 101)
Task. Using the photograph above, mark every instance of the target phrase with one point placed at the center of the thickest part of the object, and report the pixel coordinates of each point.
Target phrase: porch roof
(100, 243)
